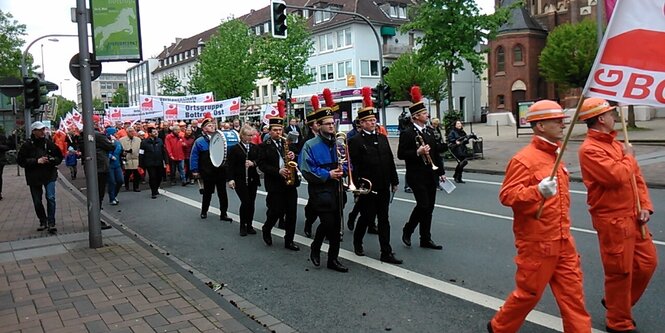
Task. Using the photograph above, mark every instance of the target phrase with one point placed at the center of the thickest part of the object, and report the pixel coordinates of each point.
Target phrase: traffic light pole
(94, 225)
(376, 35)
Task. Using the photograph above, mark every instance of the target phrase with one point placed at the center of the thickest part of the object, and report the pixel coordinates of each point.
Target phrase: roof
(520, 20)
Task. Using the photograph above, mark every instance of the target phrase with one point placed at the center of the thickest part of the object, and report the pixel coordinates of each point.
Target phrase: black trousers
(247, 196)
(135, 181)
(310, 214)
(102, 178)
(155, 174)
(424, 191)
(329, 228)
(209, 186)
(371, 207)
(280, 204)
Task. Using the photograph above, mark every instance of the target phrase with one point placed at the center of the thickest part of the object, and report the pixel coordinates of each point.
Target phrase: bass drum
(220, 144)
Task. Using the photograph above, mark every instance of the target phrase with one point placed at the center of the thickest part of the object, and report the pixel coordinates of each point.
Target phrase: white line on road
(536, 317)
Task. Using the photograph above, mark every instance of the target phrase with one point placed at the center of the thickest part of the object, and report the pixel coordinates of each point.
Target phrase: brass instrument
(292, 166)
(343, 156)
(426, 158)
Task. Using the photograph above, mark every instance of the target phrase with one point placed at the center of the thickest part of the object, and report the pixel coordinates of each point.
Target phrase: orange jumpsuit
(546, 252)
(628, 260)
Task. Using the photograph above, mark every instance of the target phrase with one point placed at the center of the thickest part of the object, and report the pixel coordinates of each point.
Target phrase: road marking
(535, 316)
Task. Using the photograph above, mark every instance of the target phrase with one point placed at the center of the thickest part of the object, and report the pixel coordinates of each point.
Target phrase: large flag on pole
(609, 8)
(630, 66)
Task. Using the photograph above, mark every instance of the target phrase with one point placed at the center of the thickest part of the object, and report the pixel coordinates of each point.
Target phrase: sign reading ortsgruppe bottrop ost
(158, 103)
(116, 30)
(183, 111)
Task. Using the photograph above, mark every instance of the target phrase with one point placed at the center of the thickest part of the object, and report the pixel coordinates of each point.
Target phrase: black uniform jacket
(406, 151)
(372, 159)
(269, 157)
(235, 165)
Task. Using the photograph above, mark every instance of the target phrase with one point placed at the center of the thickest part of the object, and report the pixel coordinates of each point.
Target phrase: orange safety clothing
(628, 260)
(546, 252)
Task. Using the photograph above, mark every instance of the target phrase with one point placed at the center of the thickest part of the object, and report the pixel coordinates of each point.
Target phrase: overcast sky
(161, 22)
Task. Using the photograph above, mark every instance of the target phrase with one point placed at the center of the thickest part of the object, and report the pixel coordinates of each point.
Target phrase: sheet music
(448, 186)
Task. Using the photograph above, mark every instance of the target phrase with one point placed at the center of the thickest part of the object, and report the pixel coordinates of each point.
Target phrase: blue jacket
(114, 156)
(317, 157)
(199, 160)
(71, 159)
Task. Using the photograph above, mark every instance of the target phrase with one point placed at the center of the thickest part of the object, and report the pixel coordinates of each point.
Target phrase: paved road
(455, 290)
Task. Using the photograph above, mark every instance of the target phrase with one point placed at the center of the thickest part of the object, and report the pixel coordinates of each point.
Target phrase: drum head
(218, 148)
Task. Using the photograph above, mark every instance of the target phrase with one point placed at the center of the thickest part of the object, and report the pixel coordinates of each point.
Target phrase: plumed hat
(367, 110)
(278, 120)
(416, 99)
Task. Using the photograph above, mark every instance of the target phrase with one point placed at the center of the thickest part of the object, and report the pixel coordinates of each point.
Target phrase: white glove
(547, 187)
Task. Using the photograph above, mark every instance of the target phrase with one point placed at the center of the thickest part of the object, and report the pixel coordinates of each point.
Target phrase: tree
(227, 64)
(97, 104)
(197, 83)
(63, 106)
(569, 54)
(284, 60)
(170, 85)
(120, 97)
(453, 30)
(408, 70)
(10, 45)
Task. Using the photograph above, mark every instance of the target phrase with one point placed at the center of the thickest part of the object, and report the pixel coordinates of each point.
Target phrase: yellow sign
(350, 80)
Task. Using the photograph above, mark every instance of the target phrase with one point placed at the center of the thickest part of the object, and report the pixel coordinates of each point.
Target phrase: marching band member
(310, 212)
(282, 198)
(419, 149)
(243, 177)
(546, 252)
(320, 167)
(372, 159)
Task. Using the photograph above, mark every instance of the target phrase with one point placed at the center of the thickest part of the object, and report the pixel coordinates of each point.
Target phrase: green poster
(116, 32)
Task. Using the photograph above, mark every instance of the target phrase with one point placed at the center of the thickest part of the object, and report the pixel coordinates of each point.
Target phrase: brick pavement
(56, 283)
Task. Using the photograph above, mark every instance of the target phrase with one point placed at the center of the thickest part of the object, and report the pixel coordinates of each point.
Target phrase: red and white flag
(629, 67)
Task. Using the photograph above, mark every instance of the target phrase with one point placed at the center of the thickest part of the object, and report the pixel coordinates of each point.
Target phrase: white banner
(131, 114)
(182, 111)
(267, 112)
(629, 66)
(150, 103)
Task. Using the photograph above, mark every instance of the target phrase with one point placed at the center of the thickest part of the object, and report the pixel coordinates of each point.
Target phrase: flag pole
(633, 181)
(563, 148)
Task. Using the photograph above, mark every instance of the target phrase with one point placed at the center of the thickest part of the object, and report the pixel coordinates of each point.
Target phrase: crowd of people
(362, 163)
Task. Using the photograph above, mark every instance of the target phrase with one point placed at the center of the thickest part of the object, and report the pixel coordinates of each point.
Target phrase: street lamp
(55, 40)
(24, 70)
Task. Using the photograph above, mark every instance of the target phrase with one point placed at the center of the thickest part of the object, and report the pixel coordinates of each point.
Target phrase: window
(312, 73)
(320, 16)
(344, 38)
(264, 89)
(326, 42)
(500, 60)
(326, 72)
(500, 101)
(344, 68)
(517, 54)
(369, 68)
(397, 11)
(266, 27)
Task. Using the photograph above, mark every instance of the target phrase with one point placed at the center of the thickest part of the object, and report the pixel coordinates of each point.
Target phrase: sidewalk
(649, 144)
(56, 283)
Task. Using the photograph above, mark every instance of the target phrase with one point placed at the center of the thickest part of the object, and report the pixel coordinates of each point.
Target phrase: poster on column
(184, 111)
(154, 104)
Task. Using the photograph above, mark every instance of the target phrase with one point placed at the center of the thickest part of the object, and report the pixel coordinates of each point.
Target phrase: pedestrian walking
(71, 161)
(457, 141)
(4, 147)
(115, 177)
(546, 252)
(131, 145)
(313, 126)
(152, 158)
(614, 185)
(243, 178)
(40, 157)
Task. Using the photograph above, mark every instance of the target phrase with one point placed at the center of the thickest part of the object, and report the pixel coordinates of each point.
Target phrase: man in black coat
(419, 149)
(152, 158)
(40, 157)
(242, 176)
(372, 159)
(282, 199)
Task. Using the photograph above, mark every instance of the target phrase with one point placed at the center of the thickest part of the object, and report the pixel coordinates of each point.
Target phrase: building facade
(139, 80)
(103, 88)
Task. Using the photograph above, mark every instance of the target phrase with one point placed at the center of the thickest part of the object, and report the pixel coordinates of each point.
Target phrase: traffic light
(43, 92)
(377, 93)
(387, 95)
(31, 93)
(278, 18)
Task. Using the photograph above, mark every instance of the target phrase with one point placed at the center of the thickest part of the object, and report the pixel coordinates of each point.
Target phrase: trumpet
(426, 157)
(343, 156)
(292, 166)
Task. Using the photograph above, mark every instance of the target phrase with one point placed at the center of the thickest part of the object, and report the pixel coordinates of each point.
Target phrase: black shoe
(358, 250)
(308, 229)
(406, 238)
(459, 181)
(428, 244)
(390, 258)
(352, 220)
(154, 196)
(127, 189)
(292, 246)
(251, 231)
(137, 190)
(42, 227)
(266, 237)
(337, 266)
(609, 330)
(225, 218)
(408, 190)
(52, 230)
(489, 327)
(184, 184)
(315, 257)
(372, 229)
(204, 215)
(243, 231)
(105, 226)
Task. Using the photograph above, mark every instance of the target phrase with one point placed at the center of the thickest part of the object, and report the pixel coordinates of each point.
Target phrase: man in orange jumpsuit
(626, 247)
(546, 252)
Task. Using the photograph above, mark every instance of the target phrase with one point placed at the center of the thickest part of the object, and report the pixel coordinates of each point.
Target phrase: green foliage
(120, 97)
(569, 53)
(63, 106)
(11, 41)
(170, 85)
(450, 118)
(197, 83)
(453, 29)
(284, 60)
(97, 104)
(227, 64)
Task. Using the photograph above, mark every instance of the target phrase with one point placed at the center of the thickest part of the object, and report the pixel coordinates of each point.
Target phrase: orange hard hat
(544, 110)
(593, 107)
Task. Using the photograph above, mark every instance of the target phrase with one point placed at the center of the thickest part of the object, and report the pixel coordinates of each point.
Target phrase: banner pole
(633, 181)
